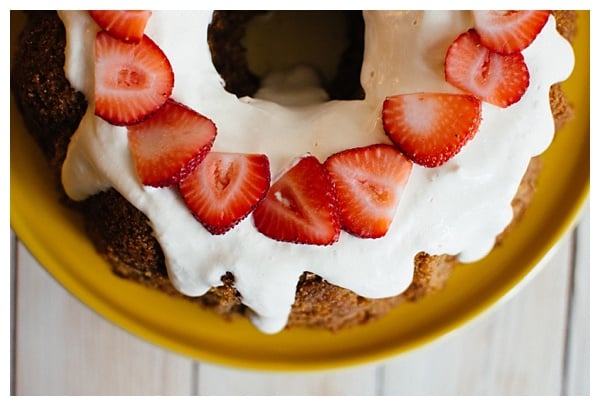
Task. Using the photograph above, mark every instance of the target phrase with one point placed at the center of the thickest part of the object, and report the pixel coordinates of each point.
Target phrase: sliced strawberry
(498, 79)
(300, 206)
(225, 187)
(124, 25)
(509, 31)
(368, 183)
(431, 128)
(170, 144)
(131, 80)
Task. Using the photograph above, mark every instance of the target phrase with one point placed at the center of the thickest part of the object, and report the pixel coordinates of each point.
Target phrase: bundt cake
(296, 197)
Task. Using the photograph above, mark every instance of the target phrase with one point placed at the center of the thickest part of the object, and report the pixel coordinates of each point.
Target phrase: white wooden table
(534, 342)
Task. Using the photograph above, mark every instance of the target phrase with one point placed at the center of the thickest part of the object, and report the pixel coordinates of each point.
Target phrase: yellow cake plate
(55, 236)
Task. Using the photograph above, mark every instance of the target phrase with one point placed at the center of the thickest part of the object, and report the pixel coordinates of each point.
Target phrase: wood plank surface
(577, 356)
(64, 348)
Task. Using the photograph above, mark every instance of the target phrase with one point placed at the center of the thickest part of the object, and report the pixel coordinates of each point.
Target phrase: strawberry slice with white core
(170, 144)
(430, 128)
(509, 31)
(369, 182)
(494, 78)
(300, 207)
(124, 25)
(225, 187)
(131, 80)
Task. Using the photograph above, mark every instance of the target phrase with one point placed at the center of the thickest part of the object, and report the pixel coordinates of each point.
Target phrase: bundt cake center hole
(290, 57)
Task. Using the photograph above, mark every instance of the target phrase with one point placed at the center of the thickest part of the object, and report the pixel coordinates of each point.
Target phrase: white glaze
(457, 208)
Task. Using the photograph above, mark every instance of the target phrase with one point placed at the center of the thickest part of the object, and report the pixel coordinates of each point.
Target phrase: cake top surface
(443, 210)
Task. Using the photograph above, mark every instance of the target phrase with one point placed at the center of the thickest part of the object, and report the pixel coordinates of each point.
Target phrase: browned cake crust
(52, 111)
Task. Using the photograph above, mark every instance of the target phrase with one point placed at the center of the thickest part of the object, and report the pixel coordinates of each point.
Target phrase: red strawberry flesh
(431, 128)
(509, 31)
(124, 25)
(494, 78)
(225, 187)
(300, 206)
(368, 182)
(131, 80)
(170, 144)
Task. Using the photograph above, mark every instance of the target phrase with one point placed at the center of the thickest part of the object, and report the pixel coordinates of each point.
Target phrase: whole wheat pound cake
(297, 197)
